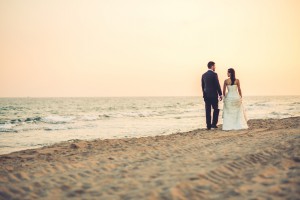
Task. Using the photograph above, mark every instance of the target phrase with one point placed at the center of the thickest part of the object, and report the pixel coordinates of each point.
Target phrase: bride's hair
(232, 75)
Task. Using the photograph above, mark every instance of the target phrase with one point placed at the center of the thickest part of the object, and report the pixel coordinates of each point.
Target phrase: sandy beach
(262, 162)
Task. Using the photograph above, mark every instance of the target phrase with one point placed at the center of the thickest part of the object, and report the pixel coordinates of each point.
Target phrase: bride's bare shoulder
(227, 81)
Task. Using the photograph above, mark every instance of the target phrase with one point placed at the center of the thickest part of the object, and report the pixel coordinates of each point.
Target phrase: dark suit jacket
(210, 85)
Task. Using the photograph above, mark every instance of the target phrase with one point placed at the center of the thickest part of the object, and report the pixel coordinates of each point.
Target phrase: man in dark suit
(211, 93)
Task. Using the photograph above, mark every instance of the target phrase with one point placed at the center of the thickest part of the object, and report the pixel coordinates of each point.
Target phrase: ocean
(35, 122)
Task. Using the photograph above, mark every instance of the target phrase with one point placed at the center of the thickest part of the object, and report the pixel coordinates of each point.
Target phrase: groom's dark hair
(210, 64)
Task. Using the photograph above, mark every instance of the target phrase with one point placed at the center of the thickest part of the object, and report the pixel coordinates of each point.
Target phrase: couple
(234, 117)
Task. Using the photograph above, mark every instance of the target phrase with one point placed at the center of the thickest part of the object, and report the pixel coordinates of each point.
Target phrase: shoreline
(125, 137)
(262, 161)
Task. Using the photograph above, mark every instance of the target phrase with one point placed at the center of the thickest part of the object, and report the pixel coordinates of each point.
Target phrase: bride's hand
(221, 98)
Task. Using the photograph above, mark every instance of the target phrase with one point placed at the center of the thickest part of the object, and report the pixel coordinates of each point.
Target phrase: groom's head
(211, 65)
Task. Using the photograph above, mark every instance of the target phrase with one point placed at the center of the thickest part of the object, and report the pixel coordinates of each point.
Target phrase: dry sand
(260, 163)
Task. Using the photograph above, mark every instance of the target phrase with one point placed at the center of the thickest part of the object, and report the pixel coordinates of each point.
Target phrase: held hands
(220, 98)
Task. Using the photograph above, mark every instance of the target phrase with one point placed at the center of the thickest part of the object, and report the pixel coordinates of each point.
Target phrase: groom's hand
(221, 98)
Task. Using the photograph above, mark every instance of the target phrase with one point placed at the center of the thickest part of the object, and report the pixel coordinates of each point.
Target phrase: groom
(211, 92)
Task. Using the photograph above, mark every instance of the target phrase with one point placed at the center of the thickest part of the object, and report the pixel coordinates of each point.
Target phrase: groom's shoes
(214, 126)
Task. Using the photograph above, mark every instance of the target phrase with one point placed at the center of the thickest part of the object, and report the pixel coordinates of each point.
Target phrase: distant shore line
(45, 97)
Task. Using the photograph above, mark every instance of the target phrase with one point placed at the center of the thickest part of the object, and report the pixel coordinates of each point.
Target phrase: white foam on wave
(57, 119)
(57, 127)
(141, 113)
(90, 117)
(7, 126)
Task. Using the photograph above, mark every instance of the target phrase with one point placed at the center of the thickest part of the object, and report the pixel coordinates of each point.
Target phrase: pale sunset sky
(62, 48)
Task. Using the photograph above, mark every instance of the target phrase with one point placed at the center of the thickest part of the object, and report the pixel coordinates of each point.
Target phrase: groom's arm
(218, 85)
(203, 86)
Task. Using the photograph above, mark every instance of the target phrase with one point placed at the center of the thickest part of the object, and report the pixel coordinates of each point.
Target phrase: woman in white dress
(234, 116)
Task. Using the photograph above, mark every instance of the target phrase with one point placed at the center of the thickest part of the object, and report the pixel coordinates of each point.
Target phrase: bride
(234, 116)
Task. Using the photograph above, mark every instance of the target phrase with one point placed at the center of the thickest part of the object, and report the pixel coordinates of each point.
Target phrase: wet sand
(259, 163)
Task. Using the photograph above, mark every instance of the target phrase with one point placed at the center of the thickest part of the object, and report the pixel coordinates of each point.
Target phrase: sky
(72, 48)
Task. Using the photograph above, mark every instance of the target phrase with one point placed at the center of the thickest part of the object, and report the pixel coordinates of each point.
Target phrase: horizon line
(269, 95)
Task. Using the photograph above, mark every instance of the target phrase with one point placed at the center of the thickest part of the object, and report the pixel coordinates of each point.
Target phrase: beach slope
(261, 162)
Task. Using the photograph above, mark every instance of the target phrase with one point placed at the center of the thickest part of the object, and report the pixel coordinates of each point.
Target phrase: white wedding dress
(234, 116)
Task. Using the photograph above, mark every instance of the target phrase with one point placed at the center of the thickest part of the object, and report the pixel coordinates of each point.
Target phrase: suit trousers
(211, 102)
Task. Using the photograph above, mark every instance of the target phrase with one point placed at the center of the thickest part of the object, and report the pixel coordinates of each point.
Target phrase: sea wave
(90, 117)
(56, 119)
(32, 119)
(58, 127)
(8, 127)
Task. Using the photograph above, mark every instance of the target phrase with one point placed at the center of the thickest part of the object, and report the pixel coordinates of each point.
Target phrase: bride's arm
(224, 88)
(239, 87)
